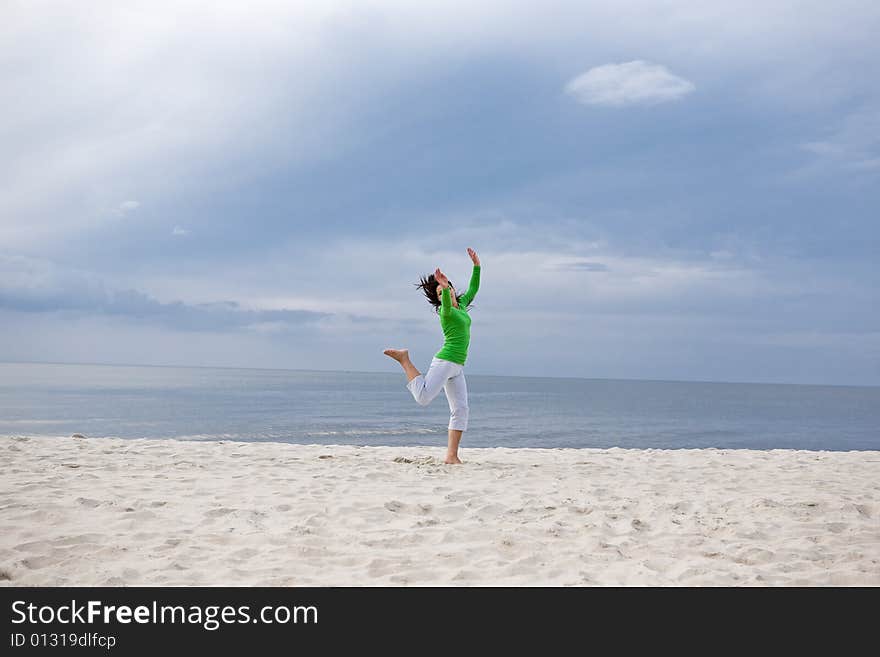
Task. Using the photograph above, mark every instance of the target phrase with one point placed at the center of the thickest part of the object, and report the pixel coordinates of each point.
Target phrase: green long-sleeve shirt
(456, 323)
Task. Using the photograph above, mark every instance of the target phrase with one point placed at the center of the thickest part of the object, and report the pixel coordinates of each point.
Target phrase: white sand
(149, 512)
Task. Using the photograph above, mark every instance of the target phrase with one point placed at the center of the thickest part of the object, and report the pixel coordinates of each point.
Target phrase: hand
(474, 258)
(441, 279)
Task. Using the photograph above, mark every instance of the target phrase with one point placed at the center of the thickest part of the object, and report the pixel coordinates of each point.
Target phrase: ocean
(364, 408)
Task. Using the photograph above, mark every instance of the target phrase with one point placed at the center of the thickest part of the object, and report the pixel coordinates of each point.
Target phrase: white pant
(449, 376)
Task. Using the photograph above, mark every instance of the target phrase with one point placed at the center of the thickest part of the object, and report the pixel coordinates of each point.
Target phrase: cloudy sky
(659, 190)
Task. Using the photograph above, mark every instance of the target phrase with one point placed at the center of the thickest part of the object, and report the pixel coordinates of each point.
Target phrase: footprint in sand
(754, 556)
(582, 510)
(421, 460)
(244, 554)
(416, 509)
(170, 544)
(35, 563)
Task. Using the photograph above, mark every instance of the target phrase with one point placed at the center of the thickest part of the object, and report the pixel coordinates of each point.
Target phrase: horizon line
(512, 376)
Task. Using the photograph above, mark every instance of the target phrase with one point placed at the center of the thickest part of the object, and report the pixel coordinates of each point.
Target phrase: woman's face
(451, 294)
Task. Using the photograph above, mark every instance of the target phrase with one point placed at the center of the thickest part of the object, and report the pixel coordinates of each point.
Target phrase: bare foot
(453, 461)
(400, 355)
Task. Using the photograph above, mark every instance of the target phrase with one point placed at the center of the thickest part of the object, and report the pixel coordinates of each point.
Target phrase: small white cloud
(852, 144)
(823, 148)
(631, 83)
(124, 208)
(180, 232)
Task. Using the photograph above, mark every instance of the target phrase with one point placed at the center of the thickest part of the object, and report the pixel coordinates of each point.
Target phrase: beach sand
(165, 512)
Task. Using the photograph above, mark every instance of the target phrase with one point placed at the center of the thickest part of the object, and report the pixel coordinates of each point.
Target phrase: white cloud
(556, 271)
(126, 207)
(853, 144)
(631, 83)
(180, 232)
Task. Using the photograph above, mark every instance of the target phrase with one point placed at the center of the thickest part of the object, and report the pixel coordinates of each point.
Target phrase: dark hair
(428, 285)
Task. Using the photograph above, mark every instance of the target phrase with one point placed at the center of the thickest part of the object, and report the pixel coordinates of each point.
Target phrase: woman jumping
(447, 366)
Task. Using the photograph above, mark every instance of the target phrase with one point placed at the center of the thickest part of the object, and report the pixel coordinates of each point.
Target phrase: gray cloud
(581, 265)
(147, 118)
(39, 286)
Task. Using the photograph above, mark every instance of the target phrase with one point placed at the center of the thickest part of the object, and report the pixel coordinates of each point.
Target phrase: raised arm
(445, 296)
(474, 284)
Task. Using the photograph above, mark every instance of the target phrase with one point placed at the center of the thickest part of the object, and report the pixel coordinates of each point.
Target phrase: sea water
(376, 409)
